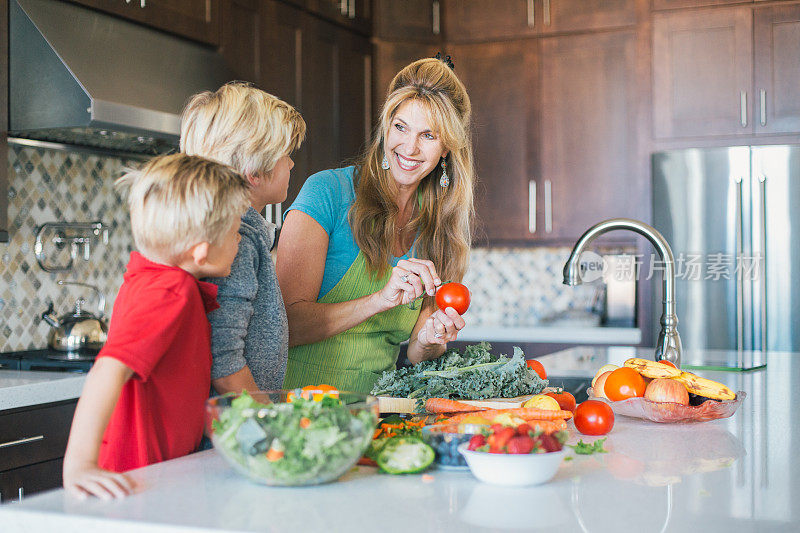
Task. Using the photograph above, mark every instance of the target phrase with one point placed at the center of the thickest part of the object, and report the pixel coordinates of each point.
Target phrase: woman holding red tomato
(361, 244)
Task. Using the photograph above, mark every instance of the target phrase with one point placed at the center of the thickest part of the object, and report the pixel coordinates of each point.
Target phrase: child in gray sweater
(255, 133)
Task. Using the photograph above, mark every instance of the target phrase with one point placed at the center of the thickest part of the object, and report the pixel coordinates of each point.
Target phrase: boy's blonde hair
(177, 201)
(241, 126)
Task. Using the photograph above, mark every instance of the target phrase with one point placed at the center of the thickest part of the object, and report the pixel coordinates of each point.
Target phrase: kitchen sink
(576, 386)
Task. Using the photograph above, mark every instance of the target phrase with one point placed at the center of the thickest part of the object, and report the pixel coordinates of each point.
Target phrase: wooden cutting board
(391, 404)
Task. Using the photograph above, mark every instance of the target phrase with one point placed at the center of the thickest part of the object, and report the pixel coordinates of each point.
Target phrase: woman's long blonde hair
(444, 220)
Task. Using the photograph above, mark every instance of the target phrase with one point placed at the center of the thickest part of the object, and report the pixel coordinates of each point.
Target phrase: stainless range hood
(81, 77)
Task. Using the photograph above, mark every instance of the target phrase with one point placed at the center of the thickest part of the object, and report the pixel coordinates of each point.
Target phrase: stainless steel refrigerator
(739, 208)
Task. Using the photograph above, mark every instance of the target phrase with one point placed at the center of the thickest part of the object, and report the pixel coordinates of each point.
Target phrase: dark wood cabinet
(476, 20)
(776, 32)
(702, 73)
(239, 45)
(4, 177)
(582, 15)
(354, 14)
(679, 4)
(388, 59)
(501, 79)
(32, 445)
(325, 71)
(409, 20)
(555, 134)
(194, 19)
(588, 140)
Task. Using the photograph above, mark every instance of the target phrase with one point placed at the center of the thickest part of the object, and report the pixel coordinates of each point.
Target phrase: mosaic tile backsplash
(511, 287)
(47, 186)
(518, 287)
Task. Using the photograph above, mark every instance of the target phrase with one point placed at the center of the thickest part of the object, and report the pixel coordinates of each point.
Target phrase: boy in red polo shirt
(143, 401)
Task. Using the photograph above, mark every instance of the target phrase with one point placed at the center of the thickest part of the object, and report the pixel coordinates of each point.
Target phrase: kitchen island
(737, 474)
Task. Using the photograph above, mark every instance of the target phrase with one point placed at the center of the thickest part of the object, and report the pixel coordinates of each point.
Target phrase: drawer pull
(21, 441)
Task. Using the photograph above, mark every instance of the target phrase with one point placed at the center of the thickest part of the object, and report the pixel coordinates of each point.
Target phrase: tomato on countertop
(453, 295)
(594, 417)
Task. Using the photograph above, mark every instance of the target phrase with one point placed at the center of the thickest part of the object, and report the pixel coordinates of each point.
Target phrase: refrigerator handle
(739, 279)
(762, 278)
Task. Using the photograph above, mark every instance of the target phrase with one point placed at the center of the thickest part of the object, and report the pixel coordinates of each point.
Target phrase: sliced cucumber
(405, 455)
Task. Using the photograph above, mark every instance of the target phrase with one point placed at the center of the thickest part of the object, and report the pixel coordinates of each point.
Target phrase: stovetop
(45, 360)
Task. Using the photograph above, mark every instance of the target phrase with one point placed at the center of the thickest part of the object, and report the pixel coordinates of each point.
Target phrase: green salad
(298, 443)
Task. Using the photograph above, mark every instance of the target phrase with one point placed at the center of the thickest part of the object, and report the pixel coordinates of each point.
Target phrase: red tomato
(453, 295)
(668, 363)
(594, 417)
(566, 401)
(537, 367)
(624, 383)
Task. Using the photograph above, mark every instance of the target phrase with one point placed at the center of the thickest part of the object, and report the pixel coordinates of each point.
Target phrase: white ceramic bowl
(512, 469)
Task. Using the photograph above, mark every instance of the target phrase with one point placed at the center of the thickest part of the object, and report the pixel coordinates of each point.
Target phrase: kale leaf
(472, 375)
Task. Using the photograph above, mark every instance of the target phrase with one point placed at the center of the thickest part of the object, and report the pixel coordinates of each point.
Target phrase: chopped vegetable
(585, 448)
(405, 455)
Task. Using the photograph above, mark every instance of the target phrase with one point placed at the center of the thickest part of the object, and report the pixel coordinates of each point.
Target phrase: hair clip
(446, 60)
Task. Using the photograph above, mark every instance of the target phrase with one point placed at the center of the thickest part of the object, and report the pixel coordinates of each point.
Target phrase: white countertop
(20, 388)
(564, 334)
(737, 474)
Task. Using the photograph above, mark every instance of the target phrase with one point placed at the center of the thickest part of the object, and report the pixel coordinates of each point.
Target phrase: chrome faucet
(669, 341)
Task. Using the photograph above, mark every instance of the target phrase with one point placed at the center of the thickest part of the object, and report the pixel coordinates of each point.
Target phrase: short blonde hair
(241, 126)
(177, 201)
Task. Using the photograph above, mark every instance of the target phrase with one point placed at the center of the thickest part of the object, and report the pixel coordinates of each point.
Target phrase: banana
(705, 387)
(651, 369)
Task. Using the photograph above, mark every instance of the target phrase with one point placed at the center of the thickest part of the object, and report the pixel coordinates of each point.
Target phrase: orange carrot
(274, 455)
(547, 426)
(520, 412)
(443, 405)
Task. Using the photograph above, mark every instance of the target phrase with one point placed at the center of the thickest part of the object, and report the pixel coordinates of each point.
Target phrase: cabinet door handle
(343, 7)
(21, 491)
(763, 107)
(546, 12)
(743, 108)
(532, 206)
(143, 4)
(531, 14)
(548, 207)
(278, 213)
(436, 14)
(26, 440)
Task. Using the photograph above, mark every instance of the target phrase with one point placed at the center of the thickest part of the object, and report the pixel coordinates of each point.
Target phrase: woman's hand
(441, 328)
(410, 279)
(89, 480)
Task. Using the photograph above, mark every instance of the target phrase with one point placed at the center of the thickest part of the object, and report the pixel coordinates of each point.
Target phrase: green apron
(354, 359)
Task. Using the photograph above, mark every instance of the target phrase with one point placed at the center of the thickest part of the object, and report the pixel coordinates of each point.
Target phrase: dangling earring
(385, 162)
(444, 181)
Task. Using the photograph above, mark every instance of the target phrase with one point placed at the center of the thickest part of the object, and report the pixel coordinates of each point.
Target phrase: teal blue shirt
(326, 197)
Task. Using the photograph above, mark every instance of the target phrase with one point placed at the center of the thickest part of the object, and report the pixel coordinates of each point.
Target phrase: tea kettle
(78, 330)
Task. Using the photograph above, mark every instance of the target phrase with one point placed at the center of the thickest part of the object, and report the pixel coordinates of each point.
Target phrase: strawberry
(520, 444)
(476, 442)
(549, 443)
(524, 430)
(499, 439)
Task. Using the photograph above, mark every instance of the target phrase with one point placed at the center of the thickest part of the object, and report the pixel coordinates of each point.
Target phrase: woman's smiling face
(413, 148)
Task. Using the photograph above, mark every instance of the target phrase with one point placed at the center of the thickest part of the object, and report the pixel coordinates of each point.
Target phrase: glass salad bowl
(291, 437)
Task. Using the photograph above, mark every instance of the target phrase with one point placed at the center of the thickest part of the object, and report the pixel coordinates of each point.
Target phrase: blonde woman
(361, 243)
(255, 133)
